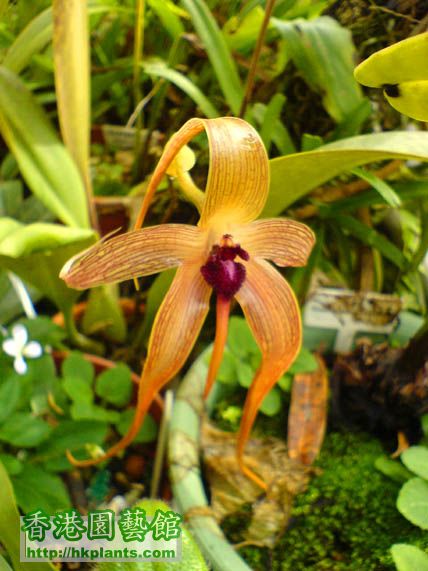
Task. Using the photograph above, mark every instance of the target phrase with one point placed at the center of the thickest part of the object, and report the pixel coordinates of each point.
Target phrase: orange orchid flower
(227, 253)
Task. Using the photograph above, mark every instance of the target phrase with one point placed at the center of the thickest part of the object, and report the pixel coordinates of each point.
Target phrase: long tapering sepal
(222, 322)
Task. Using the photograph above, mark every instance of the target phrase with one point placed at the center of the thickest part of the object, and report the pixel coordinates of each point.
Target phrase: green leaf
(293, 176)
(372, 238)
(271, 119)
(272, 403)
(37, 489)
(158, 68)
(218, 52)
(70, 44)
(78, 390)
(70, 435)
(323, 52)
(392, 469)
(383, 188)
(47, 168)
(33, 38)
(240, 340)
(24, 430)
(245, 374)
(84, 410)
(115, 385)
(25, 240)
(170, 20)
(147, 433)
(412, 502)
(10, 526)
(10, 391)
(227, 372)
(415, 459)
(41, 268)
(77, 367)
(305, 363)
(13, 465)
(409, 558)
(104, 315)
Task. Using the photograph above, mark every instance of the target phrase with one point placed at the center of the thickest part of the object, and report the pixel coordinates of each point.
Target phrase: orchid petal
(20, 365)
(238, 176)
(284, 241)
(176, 327)
(20, 335)
(32, 350)
(139, 253)
(272, 312)
(10, 348)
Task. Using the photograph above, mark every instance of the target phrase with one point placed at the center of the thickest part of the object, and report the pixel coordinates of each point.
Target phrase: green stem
(78, 339)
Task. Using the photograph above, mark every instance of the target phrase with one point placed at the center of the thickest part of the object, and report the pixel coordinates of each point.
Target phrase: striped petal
(272, 312)
(138, 253)
(284, 241)
(176, 327)
(238, 176)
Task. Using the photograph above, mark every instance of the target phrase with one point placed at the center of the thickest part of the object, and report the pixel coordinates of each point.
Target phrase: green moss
(347, 519)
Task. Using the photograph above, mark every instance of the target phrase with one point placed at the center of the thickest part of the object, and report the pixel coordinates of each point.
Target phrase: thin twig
(255, 58)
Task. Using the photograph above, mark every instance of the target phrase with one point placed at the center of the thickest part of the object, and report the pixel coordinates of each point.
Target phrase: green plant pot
(185, 471)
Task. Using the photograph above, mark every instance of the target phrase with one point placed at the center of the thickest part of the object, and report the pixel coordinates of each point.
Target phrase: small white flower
(17, 346)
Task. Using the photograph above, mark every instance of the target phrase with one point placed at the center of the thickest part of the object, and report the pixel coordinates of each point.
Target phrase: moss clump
(347, 519)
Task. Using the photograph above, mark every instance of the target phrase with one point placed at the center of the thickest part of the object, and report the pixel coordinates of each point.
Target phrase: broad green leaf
(227, 372)
(78, 390)
(21, 253)
(84, 410)
(383, 188)
(10, 525)
(323, 52)
(415, 459)
(13, 465)
(412, 502)
(158, 68)
(70, 435)
(218, 52)
(272, 403)
(72, 75)
(115, 385)
(10, 391)
(24, 430)
(147, 432)
(37, 489)
(240, 339)
(44, 162)
(245, 374)
(305, 363)
(409, 558)
(76, 366)
(392, 469)
(295, 175)
(26, 240)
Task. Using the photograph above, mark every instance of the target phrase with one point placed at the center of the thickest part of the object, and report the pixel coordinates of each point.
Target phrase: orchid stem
(221, 327)
(255, 59)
